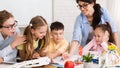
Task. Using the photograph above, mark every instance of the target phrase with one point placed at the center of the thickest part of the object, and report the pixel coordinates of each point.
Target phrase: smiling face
(86, 8)
(57, 35)
(39, 33)
(8, 28)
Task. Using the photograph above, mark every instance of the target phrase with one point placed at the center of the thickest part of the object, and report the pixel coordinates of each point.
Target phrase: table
(47, 66)
(57, 60)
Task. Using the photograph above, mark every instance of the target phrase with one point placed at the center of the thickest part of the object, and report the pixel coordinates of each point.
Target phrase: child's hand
(106, 37)
(65, 56)
(35, 55)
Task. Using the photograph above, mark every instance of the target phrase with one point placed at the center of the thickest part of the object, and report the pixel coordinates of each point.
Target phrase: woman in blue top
(91, 15)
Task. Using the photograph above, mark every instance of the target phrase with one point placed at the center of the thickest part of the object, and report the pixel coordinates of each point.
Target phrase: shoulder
(104, 10)
(80, 16)
(64, 41)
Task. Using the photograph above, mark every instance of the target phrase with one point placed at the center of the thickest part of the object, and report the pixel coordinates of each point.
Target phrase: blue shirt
(6, 52)
(82, 26)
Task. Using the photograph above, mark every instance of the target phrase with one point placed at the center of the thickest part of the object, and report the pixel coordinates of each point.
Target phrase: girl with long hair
(37, 38)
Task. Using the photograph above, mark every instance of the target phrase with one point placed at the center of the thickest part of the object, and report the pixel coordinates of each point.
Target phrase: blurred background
(64, 11)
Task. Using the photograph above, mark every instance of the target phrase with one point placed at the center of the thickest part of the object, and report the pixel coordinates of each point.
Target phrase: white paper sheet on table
(33, 63)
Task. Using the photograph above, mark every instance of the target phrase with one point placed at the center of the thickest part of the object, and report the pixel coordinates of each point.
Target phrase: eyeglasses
(11, 26)
(83, 6)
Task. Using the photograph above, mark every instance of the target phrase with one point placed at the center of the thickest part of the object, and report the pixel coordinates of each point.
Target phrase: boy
(8, 37)
(58, 44)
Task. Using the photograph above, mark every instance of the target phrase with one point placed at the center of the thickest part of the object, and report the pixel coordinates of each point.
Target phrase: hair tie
(31, 25)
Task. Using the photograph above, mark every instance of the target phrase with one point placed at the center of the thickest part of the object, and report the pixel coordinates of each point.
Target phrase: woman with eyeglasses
(92, 14)
(9, 38)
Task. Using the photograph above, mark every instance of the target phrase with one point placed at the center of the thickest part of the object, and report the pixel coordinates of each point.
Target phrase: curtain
(114, 9)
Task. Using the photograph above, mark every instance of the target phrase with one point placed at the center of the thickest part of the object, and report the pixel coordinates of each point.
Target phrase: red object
(69, 64)
(80, 50)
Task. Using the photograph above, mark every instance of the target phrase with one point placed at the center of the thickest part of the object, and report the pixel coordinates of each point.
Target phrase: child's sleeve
(86, 48)
(104, 45)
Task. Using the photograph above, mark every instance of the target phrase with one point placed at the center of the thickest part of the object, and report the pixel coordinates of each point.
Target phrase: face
(39, 33)
(8, 28)
(86, 8)
(57, 35)
(99, 34)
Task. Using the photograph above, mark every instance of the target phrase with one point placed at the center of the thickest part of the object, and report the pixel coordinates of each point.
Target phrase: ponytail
(110, 32)
(28, 45)
(96, 15)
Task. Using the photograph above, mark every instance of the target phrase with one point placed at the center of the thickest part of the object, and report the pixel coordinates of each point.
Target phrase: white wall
(24, 10)
(114, 8)
(66, 11)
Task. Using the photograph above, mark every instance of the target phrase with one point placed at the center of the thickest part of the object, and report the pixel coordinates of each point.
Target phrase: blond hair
(35, 22)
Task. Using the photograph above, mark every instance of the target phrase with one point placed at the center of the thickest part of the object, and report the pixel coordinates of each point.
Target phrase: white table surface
(10, 66)
(6, 66)
(58, 60)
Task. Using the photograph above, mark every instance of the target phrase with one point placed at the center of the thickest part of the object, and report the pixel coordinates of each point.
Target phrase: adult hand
(65, 56)
(18, 40)
(1, 60)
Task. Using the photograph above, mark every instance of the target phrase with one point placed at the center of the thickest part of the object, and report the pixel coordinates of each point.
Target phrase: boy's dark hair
(56, 26)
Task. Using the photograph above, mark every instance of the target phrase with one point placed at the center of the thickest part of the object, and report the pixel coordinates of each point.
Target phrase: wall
(66, 11)
(24, 10)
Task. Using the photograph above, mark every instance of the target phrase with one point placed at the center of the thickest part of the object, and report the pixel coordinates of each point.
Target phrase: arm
(11, 56)
(7, 50)
(77, 35)
(87, 47)
(10, 48)
(104, 45)
(73, 46)
(54, 55)
(71, 51)
(63, 46)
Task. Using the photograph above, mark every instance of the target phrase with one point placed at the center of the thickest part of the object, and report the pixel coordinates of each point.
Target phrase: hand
(1, 60)
(50, 55)
(65, 56)
(18, 40)
(35, 55)
(106, 37)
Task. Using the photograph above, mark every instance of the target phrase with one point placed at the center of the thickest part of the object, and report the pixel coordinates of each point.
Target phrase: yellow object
(112, 47)
(61, 46)
(35, 44)
(111, 57)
